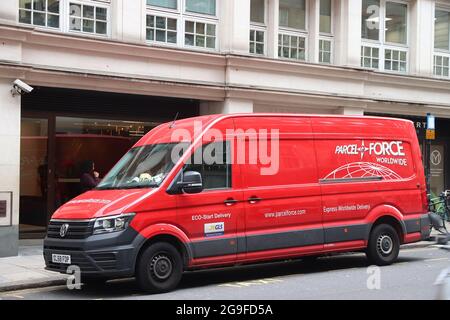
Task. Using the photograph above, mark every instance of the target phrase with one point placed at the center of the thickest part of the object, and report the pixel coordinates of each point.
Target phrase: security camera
(20, 87)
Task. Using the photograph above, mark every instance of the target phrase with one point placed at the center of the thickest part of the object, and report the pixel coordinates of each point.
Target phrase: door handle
(254, 199)
(230, 202)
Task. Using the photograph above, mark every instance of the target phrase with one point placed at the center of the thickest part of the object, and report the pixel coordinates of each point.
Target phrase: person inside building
(89, 177)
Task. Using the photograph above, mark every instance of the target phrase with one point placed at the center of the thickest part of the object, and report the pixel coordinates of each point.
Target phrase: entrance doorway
(33, 175)
(57, 142)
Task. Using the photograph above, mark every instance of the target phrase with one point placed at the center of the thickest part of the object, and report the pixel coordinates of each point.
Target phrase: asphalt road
(336, 277)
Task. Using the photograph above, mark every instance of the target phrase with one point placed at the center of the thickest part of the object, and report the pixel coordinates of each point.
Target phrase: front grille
(76, 230)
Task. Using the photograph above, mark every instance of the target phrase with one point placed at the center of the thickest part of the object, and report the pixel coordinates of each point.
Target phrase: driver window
(212, 161)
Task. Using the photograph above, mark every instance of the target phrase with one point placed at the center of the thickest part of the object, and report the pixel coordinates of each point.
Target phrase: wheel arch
(390, 215)
(169, 234)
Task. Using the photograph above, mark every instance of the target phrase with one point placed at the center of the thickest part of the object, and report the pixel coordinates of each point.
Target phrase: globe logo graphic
(363, 170)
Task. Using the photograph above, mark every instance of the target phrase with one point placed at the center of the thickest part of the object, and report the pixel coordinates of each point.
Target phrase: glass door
(87, 148)
(34, 182)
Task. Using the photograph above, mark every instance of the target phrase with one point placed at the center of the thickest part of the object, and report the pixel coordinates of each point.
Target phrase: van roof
(308, 115)
(160, 133)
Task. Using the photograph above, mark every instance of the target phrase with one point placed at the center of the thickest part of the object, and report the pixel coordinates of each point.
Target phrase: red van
(230, 189)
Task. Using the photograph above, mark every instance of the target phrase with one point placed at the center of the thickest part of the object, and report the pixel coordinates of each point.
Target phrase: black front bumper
(104, 255)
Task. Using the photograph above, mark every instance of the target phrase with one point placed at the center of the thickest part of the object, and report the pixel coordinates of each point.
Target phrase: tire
(159, 268)
(384, 245)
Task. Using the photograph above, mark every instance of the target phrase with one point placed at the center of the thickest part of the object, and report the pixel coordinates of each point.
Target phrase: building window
(441, 43)
(292, 23)
(442, 30)
(384, 33)
(291, 47)
(43, 13)
(370, 57)
(325, 16)
(326, 32)
(193, 25)
(257, 11)
(441, 65)
(256, 41)
(161, 29)
(395, 60)
(325, 51)
(88, 18)
(258, 26)
(293, 14)
(395, 30)
(207, 7)
(169, 4)
(200, 34)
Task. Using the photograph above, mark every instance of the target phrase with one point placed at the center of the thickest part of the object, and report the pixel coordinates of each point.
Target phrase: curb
(30, 284)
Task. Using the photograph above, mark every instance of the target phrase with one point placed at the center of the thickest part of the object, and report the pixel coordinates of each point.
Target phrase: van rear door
(363, 164)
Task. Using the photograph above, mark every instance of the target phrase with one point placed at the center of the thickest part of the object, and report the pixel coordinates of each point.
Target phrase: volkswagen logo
(63, 230)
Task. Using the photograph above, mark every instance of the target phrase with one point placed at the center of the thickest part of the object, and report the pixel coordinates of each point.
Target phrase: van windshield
(143, 167)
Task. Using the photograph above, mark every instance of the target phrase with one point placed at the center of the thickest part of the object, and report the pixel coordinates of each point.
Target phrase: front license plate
(61, 258)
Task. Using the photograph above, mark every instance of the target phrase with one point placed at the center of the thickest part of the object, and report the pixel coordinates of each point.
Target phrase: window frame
(384, 7)
(95, 4)
(331, 40)
(329, 34)
(197, 20)
(363, 56)
(264, 31)
(258, 26)
(164, 9)
(383, 45)
(200, 15)
(290, 29)
(167, 16)
(32, 10)
(293, 34)
(297, 33)
(181, 15)
(438, 51)
(442, 55)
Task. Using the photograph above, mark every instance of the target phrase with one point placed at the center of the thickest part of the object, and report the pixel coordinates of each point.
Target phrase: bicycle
(440, 206)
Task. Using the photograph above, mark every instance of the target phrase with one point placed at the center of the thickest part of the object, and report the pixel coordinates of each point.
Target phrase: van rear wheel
(384, 245)
(160, 268)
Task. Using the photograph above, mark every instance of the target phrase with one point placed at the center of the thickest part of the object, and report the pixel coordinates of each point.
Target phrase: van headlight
(112, 223)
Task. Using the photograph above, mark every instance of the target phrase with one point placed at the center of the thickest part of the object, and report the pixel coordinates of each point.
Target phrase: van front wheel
(384, 245)
(159, 268)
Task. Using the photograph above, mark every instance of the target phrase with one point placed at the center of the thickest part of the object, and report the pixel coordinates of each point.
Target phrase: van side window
(212, 161)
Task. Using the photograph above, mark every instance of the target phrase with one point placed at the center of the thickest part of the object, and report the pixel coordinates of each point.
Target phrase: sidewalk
(27, 271)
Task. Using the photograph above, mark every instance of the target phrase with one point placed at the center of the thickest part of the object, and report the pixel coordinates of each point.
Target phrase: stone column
(234, 29)
(10, 164)
(348, 32)
(421, 41)
(229, 105)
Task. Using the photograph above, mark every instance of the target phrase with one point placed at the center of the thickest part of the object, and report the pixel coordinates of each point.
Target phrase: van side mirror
(191, 182)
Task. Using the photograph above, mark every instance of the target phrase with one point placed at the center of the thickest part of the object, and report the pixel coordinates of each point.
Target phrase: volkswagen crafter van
(231, 189)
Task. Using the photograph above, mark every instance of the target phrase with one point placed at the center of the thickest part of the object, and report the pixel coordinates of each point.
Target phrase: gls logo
(214, 229)
(391, 148)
